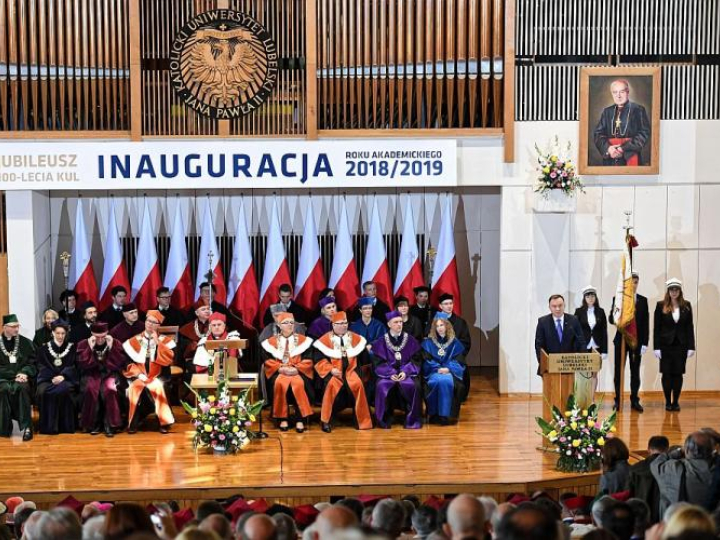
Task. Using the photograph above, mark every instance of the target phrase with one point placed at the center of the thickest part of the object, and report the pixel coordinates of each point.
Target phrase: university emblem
(223, 64)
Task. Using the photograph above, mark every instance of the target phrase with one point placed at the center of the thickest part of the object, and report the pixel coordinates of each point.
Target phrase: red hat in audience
(183, 517)
(518, 498)
(11, 504)
(259, 505)
(371, 500)
(578, 503)
(217, 316)
(434, 502)
(238, 508)
(621, 496)
(72, 503)
(305, 515)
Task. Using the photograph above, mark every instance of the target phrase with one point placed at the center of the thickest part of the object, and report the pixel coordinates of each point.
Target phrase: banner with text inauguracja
(228, 164)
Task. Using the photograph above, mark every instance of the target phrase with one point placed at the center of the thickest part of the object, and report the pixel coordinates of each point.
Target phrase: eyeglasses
(163, 297)
(343, 323)
(150, 321)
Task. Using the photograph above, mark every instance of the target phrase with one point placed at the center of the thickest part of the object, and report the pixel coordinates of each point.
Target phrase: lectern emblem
(223, 64)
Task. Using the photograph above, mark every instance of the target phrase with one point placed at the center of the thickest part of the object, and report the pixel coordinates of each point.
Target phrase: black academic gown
(42, 336)
(173, 316)
(57, 402)
(75, 318)
(15, 397)
(79, 333)
(124, 331)
(414, 327)
(423, 314)
(111, 316)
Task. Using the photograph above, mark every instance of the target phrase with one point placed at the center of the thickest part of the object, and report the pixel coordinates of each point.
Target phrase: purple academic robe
(100, 384)
(319, 327)
(57, 408)
(124, 331)
(386, 365)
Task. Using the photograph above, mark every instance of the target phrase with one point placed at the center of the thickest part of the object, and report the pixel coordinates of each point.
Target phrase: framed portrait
(619, 120)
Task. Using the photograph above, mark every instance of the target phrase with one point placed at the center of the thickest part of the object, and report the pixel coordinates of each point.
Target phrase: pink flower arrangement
(556, 171)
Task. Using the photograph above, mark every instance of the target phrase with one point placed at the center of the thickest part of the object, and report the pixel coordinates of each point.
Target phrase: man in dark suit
(558, 332)
(641, 482)
(69, 312)
(380, 308)
(285, 299)
(113, 314)
(642, 322)
(173, 316)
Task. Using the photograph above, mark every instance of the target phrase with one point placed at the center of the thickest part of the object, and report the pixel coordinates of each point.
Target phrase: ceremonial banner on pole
(114, 271)
(243, 293)
(624, 311)
(310, 277)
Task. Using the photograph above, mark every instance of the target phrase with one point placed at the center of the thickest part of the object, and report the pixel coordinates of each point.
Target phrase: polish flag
(445, 274)
(177, 273)
(208, 244)
(146, 278)
(276, 268)
(81, 277)
(114, 271)
(243, 294)
(343, 276)
(409, 272)
(376, 266)
(310, 277)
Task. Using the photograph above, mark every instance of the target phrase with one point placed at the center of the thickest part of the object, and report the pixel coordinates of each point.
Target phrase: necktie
(558, 327)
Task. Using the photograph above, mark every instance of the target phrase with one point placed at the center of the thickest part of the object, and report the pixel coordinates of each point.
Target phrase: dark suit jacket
(665, 329)
(642, 484)
(599, 333)
(298, 312)
(546, 337)
(173, 316)
(642, 321)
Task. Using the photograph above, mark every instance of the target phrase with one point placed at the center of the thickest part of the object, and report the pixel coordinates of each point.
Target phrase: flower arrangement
(223, 422)
(578, 436)
(556, 170)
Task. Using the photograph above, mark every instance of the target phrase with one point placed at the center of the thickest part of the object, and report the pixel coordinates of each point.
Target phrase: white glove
(604, 356)
(143, 377)
(658, 354)
(643, 350)
(691, 354)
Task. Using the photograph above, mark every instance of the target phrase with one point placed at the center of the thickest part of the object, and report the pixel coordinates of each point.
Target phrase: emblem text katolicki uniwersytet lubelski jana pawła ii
(223, 64)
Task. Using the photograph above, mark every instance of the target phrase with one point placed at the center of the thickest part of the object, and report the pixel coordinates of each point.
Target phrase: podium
(567, 373)
(224, 367)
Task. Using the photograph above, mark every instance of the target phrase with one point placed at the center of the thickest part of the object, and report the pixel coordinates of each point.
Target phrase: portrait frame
(596, 102)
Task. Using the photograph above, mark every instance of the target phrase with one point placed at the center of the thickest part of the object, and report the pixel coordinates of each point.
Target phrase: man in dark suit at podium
(558, 332)
(642, 323)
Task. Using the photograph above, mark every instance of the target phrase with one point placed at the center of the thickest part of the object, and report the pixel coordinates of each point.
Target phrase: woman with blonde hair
(674, 340)
(44, 333)
(443, 369)
(688, 519)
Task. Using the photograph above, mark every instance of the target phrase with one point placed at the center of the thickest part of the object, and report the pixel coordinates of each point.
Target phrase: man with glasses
(173, 316)
(338, 354)
(17, 367)
(151, 356)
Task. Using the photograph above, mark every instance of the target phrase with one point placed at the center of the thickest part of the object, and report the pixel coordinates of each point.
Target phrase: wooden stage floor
(492, 450)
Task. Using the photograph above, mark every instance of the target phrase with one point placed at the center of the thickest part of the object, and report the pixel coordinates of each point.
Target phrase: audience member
(259, 527)
(688, 519)
(285, 527)
(22, 513)
(333, 519)
(599, 507)
(31, 531)
(465, 518)
(125, 519)
(59, 524)
(641, 482)
(615, 455)
(93, 528)
(641, 515)
(193, 533)
(354, 505)
(686, 477)
(218, 524)
(497, 517)
(528, 522)
(388, 517)
(424, 521)
(618, 519)
(208, 508)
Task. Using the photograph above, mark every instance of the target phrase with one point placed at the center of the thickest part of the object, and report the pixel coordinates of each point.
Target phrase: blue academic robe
(444, 391)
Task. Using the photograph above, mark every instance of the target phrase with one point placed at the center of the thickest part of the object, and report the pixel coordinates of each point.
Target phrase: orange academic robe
(288, 352)
(331, 347)
(143, 379)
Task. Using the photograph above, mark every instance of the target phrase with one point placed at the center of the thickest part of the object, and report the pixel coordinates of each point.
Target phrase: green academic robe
(15, 398)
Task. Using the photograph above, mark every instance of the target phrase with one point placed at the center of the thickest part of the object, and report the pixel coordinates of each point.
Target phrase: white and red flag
(114, 270)
(243, 294)
(445, 273)
(409, 272)
(376, 267)
(146, 278)
(208, 245)
(276, 268)
(343, 276)
(177, 273)
(81, 276)
(310, 278)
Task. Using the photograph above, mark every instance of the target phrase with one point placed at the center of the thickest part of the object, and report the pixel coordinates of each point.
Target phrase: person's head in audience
(658, 444)
(641, 514)
(388, 517)
(413, 499)
(279, 509)
(409, 509)
(490, 505)
(497, 517)
(259, 527)
(93, 528)
(698, 445)
(715, 436)
(687, 519)
(465, 518)
(528, 522)
(355, 505)
(424, 521)
(619, 520)
(240, 522)
(615, 451)
(194, 533)
(218, 524)
(599, 507)
(333, 519)
(366, 518)
(31, 531)
(125, 519)
(285, 526)
(88, 511)
(20, 517)
(550, 506)
(60, 524)
(674, 507)
(208, 508)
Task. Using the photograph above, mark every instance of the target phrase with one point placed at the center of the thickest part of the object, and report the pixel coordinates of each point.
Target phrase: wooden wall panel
(64, 65)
